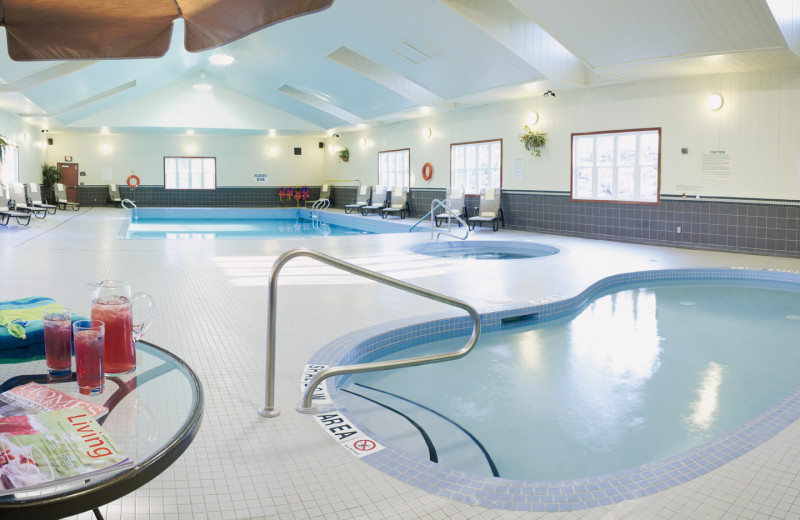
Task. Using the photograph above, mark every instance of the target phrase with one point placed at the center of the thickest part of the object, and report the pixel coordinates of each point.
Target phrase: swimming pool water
(639, 374)
(234, 228)
(237, 223)
(484, 249)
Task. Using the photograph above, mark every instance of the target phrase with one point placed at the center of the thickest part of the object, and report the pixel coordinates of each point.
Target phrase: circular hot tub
(485, 250)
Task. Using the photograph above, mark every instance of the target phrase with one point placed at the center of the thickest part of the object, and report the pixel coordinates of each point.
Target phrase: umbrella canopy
(98, 29)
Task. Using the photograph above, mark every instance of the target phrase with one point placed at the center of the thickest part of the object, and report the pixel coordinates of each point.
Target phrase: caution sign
(341, 429)
(320, 392)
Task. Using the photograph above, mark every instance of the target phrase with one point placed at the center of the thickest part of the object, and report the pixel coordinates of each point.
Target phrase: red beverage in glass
(120, 353)
(89, 351)
(58, 342)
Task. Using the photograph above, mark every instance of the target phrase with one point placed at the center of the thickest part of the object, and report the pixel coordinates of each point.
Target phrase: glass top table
(154, 414)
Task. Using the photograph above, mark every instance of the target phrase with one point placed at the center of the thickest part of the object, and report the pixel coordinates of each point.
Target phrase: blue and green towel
(21, 321)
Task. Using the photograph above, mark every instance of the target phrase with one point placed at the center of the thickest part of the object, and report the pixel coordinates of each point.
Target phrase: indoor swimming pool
(639, 379)
(230, 223)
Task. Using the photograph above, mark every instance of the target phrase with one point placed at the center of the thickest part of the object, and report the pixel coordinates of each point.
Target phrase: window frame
(203, 158)
(477, 143)
(13, 165)
(407, 183)
(615, 177)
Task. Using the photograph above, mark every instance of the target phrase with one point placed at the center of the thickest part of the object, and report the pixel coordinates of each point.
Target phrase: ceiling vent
(416, 50)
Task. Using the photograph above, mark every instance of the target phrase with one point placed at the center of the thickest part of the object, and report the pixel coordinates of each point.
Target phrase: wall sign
(717, 165)
(68, 158)
(260, 178)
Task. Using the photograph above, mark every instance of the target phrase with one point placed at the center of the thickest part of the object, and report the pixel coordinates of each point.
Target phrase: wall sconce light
(714, 102)
(427, 132)
(190, 147)
(272, 150)
(330, 148)
(26, 137)
(104, 146)
(533, 118)
(363, 142)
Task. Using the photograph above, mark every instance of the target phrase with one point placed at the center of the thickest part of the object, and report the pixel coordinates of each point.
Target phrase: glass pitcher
(113, 305)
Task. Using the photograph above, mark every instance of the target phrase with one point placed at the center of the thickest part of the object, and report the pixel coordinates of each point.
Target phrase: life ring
(133, 185)
(427, 171)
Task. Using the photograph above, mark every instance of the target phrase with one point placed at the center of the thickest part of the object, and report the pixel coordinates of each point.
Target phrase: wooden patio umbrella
(98, 29)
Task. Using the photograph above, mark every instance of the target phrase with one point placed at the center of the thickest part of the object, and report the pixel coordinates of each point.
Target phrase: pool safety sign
(341, 429)
(321, 392)
(260, 178)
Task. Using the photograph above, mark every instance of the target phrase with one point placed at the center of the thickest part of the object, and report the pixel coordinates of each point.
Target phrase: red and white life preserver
(133, 182)
(427, 171)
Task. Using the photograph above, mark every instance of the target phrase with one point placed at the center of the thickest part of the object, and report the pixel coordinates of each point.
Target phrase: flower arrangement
(533, 140)
(344, 154)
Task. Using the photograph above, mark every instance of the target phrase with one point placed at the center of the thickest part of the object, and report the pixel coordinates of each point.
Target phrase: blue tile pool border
(563, 495)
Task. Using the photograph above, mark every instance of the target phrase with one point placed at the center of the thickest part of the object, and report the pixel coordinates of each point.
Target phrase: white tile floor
(211, 298)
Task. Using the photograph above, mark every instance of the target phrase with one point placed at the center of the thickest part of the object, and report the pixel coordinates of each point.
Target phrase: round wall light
(363, 142)
(533, 118)
(714, 102)
(427, 132)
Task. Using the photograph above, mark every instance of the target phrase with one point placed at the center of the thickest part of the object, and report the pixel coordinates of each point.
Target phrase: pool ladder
(320, 205)
(306, 406)
(133, 204)
(436, 204)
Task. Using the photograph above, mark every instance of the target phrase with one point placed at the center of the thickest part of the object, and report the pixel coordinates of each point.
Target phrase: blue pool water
(484, 249)
(222, 223)
(638, 374)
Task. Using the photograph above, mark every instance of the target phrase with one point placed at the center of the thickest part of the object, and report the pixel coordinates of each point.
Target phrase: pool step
(416, 429)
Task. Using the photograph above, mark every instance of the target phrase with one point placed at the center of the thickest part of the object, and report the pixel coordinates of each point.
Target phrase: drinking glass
(89, 336)
(58, 340)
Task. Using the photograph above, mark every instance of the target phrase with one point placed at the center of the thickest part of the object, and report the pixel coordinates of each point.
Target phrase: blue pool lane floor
(211, 299)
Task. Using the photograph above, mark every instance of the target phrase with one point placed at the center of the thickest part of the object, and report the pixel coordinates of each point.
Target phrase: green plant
(344, 154)
(533, 140)
(50, 176)
(3, 144)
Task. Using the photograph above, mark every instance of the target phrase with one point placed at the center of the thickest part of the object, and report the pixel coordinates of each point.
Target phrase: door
(69, 178)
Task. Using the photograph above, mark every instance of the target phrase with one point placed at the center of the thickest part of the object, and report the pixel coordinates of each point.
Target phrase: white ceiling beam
(389, 78)
(321, 104)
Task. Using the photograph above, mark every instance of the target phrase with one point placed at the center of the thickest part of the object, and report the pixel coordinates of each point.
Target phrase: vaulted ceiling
(367, 62)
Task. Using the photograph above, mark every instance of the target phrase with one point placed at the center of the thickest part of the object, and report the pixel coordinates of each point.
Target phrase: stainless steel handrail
(435, 204)
(306, 406)
(319, 205)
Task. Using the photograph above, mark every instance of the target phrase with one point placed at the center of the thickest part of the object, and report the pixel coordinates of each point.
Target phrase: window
(190, 173)
(620, 166)
(9, 167)
(477, 165)
(394, 168)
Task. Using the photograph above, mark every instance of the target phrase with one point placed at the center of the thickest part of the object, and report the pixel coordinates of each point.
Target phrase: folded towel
(21, 321)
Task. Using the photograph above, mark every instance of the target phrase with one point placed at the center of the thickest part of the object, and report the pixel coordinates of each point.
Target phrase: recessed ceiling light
(221, 59)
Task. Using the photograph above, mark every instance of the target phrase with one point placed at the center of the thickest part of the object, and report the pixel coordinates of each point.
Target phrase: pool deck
(211, 297)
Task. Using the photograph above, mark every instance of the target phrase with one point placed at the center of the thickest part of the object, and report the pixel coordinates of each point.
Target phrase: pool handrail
(319, 205)
(435, 204)
(306, 406)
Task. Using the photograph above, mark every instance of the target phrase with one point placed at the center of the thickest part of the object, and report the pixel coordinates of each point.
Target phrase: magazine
(34, 398)
(39, 450)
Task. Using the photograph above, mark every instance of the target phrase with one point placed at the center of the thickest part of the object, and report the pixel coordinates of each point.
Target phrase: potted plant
(50, 176)
(344, 154)
(533, 140)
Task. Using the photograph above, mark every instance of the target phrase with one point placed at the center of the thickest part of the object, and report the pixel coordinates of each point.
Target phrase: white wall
(759, 124)
(238, 157)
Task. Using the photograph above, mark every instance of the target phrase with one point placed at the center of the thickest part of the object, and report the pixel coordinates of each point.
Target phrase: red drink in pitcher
(120, 353)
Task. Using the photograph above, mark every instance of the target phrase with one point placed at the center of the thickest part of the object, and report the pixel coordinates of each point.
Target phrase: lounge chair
(324, 193)
(35, 199)
(398, 204)
(455, 198)
(488, 210)
(362, 199)
(378, 201)
(19, 202)
(113, 195)
(6, 213)
(61, 198)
